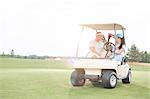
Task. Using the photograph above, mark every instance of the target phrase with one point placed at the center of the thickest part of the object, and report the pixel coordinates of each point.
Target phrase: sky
(51, 27)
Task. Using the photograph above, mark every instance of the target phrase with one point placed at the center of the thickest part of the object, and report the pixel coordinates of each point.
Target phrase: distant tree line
(134, 55)
(24, 57)
(12, 55)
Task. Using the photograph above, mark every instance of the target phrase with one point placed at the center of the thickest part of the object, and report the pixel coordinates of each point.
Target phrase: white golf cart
(105, 71)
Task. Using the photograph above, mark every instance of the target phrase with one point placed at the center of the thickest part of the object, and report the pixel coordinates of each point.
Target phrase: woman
(120, 48)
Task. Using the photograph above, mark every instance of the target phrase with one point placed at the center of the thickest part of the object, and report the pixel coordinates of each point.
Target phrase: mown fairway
(48, 79)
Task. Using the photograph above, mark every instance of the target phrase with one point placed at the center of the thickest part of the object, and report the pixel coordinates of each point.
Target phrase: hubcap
(81, 79)
(113, 80)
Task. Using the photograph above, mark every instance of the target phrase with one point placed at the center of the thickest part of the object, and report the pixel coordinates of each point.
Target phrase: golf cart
(101, 71)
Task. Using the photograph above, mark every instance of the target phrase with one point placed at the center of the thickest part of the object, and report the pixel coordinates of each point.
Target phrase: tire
(109, 79)
(77, 78)
(127, 80)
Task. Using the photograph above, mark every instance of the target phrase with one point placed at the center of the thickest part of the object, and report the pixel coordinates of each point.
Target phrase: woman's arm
(120, 51)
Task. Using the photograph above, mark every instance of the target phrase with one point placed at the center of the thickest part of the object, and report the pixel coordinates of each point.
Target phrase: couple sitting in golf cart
(97, 47)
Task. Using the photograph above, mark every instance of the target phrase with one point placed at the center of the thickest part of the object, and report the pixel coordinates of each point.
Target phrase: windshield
(88, 36)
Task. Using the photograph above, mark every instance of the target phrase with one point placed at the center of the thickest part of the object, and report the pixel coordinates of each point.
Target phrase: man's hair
(100, 33)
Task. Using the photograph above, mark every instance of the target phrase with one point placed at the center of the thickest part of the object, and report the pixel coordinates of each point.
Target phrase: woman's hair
(122, 42)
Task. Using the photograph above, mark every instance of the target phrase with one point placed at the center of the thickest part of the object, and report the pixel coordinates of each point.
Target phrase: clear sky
(50, 27)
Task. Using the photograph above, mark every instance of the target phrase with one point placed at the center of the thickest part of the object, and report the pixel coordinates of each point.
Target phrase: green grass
(140, 66)
(13, 63)
(50, 82)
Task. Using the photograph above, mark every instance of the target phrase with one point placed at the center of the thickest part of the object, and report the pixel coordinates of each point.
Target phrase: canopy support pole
(123, 35)
(77, 51)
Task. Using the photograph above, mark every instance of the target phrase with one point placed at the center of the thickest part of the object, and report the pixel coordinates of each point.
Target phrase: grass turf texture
(47, 79)
(14, 63)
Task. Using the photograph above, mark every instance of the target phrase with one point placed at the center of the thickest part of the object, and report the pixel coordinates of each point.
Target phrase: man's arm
(94, 51)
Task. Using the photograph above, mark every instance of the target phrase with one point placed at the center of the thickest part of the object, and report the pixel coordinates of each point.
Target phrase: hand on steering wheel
(109, 47)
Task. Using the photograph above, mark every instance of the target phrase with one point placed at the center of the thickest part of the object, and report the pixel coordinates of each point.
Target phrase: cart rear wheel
(77, 78)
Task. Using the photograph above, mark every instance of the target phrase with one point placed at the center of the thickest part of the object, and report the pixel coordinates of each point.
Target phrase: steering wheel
(109, 47)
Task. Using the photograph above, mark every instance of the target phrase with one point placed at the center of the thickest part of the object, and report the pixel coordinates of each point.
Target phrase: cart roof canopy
(110, 26)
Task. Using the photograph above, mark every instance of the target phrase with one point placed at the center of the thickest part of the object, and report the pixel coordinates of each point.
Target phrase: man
(96, 46)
